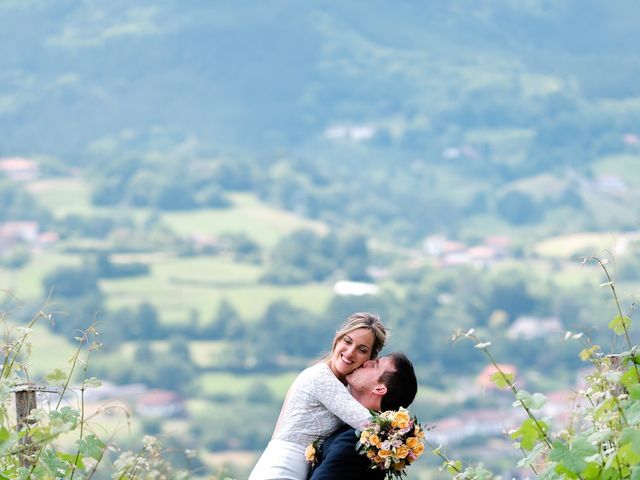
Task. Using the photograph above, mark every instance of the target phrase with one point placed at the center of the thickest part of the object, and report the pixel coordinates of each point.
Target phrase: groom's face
(368, 376)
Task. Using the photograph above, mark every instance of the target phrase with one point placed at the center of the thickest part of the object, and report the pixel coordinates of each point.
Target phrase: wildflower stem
(7, 366)
(515, 392)
(612, 286)
(530, 465)
(82, 412)
(436, 451)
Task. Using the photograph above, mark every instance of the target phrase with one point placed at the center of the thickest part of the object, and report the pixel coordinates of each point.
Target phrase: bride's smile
(351, 351)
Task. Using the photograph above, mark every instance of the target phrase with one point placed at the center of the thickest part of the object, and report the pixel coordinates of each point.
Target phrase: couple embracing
(331, 399)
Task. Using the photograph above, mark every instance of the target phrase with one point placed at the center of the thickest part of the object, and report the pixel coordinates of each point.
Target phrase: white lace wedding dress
(317, 404)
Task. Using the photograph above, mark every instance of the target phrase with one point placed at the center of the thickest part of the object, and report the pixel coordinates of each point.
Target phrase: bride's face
(351, 351)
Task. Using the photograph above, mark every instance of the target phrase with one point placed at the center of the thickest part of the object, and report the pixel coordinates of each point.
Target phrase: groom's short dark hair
(401, 383)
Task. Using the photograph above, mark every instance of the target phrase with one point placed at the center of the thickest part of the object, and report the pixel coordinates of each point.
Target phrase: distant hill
(382, 93)
(275, 73)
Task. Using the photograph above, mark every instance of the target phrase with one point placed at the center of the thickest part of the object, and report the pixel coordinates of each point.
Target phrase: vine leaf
(572, 456)
(629, 379)
(619, 324)
(502, 380)
(91, 446)
(633, 413)
(533, 402)
(531, 458)
(631, 436)
(72, 459)
(529, 434)
(57, 377)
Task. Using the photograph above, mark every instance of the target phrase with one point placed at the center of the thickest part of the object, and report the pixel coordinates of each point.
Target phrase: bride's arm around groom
(387, 383)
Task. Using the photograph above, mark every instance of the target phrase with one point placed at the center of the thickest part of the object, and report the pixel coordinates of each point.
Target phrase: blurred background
(219, 184)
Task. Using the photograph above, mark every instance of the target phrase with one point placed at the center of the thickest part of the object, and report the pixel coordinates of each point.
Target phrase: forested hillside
(219, 184)
(519, 109)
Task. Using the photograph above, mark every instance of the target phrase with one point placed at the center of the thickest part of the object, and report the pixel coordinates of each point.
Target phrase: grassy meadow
(176, 286)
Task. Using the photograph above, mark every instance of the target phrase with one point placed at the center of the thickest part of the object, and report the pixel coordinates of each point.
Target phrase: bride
(318, 401)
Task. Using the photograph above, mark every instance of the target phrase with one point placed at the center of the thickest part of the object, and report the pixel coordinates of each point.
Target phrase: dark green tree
(518, 208)
(71, 282)
(226, 323)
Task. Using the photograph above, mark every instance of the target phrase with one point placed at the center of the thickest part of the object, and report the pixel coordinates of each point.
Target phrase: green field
(204, 353)
(177, 286)
(238, 385)
(584, 244)
(264, 224)
(627, 167)
(27, 282)
(64, 196)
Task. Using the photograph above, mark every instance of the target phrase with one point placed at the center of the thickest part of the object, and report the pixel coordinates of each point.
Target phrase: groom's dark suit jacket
(338, 459)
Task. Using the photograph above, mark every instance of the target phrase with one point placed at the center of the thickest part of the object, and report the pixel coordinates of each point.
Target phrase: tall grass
(60, 438)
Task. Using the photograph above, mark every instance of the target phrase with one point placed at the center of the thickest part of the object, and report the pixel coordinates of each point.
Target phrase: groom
(386, 383)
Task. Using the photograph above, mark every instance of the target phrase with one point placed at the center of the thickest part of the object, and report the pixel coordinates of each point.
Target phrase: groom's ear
(380, 389)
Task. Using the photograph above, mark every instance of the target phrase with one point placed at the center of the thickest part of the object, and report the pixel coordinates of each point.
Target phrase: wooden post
(25, 402)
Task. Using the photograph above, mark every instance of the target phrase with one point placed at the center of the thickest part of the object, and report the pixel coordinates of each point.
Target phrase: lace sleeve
(337, 399)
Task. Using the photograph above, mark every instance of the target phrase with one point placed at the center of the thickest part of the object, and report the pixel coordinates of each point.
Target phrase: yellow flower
(402, 451)
(384, 453)
(310, 453)
(401, 419)
(418, 432)
(418, 449)
(365, 435)
(375, 440)
(371, 453)
(412, 442)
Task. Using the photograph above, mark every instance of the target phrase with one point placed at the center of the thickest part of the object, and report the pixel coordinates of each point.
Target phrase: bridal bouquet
(392, 440)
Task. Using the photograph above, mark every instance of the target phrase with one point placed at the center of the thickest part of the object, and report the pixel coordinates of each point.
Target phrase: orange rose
(375, 440)
(385, 453)
(402, 451)
(412, 442)
(401, 419)
(418, 449)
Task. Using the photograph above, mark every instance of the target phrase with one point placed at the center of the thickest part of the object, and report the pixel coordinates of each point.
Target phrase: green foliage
(72, 282)
(59, 440)
(243, 247)
(226, 323)
(620, 324)
(89, 226)
(18, 204)
(603, 440)
(518, 208)
(305, 256)
(105, 268)
(166, 186)
(15, 258)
